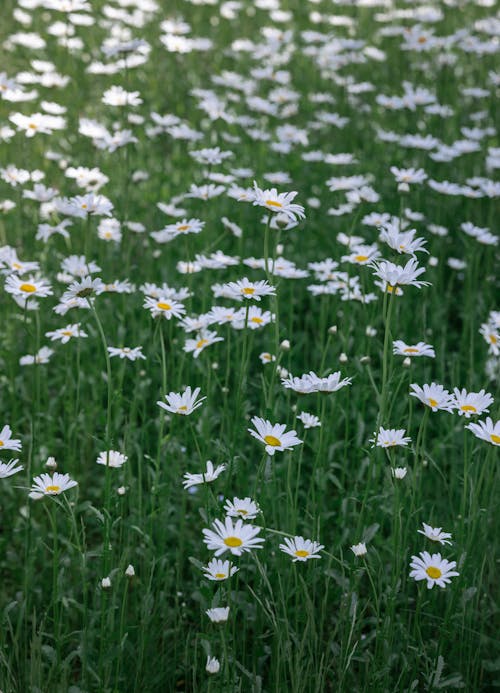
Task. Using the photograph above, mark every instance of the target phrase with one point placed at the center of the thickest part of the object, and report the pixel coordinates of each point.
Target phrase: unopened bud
(343, 358)
(365, 359)
(403, 188)
(280, 248)
(51, 463)
(106, 583)
(130, 572)
(121, 491)
(332, 329)
(407, 362)
(285, 345)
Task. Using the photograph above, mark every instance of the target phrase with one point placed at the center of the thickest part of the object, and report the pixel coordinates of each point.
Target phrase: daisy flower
(266, 357)
(210, 475)
(359, 550)
(47, 485)
(27, 288)
(301, 549)
(237, 538)
(468, 403)
(273, 436)
(433, 396)
(435, 534)
(130, 353)
(218, 570)
(245, 508)
(395, 274)
(434, 569)
(213, 665)
(42, 356)
(400, 348)
(218, 614)
(244, 288)
(309, 420)
(390, 437)
(486, 430)
(164, 307)
(204, 338)
(64, 334)
(112, 458)
(399, 472)
(331, 383)
(6, 440)
(302, 385)
(83, 288)
(184, 403)
(277, 202)
(9, 468)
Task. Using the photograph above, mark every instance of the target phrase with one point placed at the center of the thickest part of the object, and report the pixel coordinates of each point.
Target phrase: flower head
(433, 568)
(219, 570)
(433, 396)
(301, 549)
(435, 534)
(237, 538)
(485, 430)
(47, 485)
(211, 474)
(278, 202)
(274, 436)
(182, 403)
(111, 458)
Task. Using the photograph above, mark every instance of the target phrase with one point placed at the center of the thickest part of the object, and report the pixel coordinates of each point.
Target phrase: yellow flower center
(32, 126)
(493, 338)
(84, 206)
(433, 402)
(257, 320)
(242, 511)
(468, 407)
(67, 333)
(233, 541)
(433, 572)
(182, 408)
(495, 439)
(248, 290)
(28, 288)
(361, 258)
(390, 288)
(301, 553)
(273, 203)
(220, 576)
(271, 440)
(1, 443)
(164, 306)
(52, 489)
(410, 350)
(201, 343)
(183, 227)
(16, 265)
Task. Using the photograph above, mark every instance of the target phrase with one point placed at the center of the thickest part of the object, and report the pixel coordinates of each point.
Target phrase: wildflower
(112, 458)
(278, 202)
(42, 356)
(434, 569)
(302, 385)
(395, 274)
(210, 475)
(244, 288)
(435, 534)
(359, 550)
(204, 338)
(468, 403)
(106, 583)
(400, 348)
(213, 665)
(309, 420)
(6, 440)
(130, 353)
(130, 571)
(219, 614)
(237, 538)
(301, 549)
(64, 334)
(9, 468)
(274, 436)
(332, 382)
(486, 430)
(83, 288)
(433, 396)
(245, 508)
(184, 403)
(27, 288)
(266, 357)
(399, 472)
(164, 307)
(46, 485)
(218, 570)
(390, 437)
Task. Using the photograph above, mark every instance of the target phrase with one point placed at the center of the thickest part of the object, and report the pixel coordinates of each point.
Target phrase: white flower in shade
(309, 420)
(395, 274)
(244, 288)
(106, 583)
(399, 472)
(6, 440)
(47, 485)
(486, 430)
(301, 549)
(274, 436)
(213, 665)
(82, 288)
(390, 437)
(130, 353)
(245, 508)
(9, 468)
(400, 348)
(219, 570)
(359, 550)
(27, 288)
(219, 614)
(130, 571)
(112, 458)
(331, 383)
(164, 307)
(277, 202)
(182, 403)
(237, 538)
(210, 475)
(433, 568)
(469, 403)
(64, 334)
(204, 338)
(433, 396)
(435, 534)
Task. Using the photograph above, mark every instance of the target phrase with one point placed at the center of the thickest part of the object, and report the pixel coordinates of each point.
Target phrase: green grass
(340, 623)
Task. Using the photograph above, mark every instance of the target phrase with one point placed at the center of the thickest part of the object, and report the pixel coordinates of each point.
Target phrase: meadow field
(250, 346)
